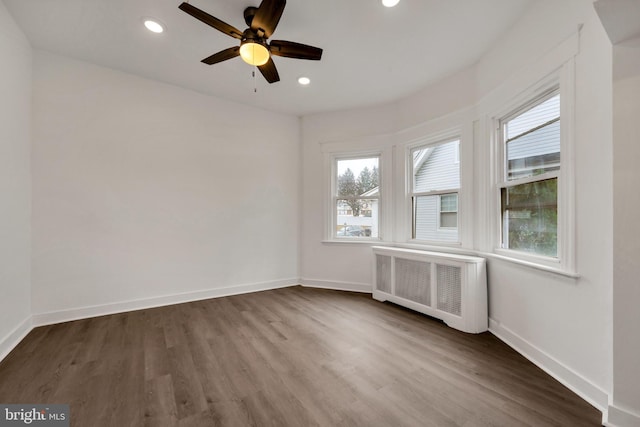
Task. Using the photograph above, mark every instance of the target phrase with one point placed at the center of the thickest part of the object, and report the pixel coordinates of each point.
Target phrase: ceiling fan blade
(219, 25)
(295, 50)
(269, 71)
(267, 16)
(223, 55)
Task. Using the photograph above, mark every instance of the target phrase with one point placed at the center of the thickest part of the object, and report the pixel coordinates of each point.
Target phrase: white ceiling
(621, 20)
(372, 54)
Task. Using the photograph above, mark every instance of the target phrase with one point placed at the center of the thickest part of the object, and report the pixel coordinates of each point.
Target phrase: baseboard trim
(53, 317)
(618, 417)
(569, 378)
(9, 342)
(336, 285)
(613, 416)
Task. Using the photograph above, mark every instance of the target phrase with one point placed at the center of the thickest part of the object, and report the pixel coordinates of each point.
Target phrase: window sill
(460, 251)
(354, 241)
(489, 255)
(532, 264)
(446, 247)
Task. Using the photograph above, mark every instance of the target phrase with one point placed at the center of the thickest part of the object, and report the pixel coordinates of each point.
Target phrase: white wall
(626, 249)
(566, 324)
(15, 182)
(328, 264)
(561, 323)
(143, 190)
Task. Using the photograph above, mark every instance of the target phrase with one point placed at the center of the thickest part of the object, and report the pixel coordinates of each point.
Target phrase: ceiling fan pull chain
(255, 84)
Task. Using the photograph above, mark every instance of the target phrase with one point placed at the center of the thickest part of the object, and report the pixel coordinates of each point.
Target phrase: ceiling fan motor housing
(250, 36)
(249, 13)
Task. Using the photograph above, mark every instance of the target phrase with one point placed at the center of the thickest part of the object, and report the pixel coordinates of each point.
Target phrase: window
(449, 210)
(435, 183)
(529, 188)
(356, 198)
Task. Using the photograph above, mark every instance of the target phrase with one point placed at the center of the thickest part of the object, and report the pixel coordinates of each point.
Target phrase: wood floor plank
(160, 405)
(156, 356)
(189, 396)
(288, 357)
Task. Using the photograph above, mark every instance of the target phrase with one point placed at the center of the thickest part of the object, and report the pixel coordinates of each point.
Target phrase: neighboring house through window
(356, 197)
(434, 191)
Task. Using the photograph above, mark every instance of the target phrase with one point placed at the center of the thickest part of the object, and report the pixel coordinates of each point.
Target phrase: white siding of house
(533, 117)
(543, 141)
(439, 172)
(427, 222)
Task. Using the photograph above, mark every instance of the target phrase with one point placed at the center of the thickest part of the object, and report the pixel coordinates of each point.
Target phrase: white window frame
(563, 81)
(433, 141)
(335, 197)
(334, 151)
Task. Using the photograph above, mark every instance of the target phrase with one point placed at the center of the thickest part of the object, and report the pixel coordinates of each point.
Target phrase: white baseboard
(618, 417)
(14, 337)
(339, 286)
(614, 416)
(569, 378)
(49, 318)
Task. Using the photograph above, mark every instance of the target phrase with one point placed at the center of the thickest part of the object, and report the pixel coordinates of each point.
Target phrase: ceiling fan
(254, 48)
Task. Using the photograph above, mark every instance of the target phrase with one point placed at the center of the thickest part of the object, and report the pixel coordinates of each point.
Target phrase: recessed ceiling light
(390, 3)
(153, 26)
(304, 81)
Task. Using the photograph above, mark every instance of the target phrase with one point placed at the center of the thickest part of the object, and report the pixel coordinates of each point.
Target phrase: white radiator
(449, 287)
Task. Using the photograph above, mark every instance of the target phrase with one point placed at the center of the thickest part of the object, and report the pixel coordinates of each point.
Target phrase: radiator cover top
(449, 287)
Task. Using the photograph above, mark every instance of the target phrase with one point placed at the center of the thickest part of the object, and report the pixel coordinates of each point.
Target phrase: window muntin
(529, 192)
(356, 198)
(435, 183)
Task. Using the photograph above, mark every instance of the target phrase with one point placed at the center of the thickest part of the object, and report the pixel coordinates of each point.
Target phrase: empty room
(319, 213)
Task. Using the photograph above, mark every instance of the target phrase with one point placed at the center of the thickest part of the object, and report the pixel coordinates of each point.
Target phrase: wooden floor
(288, 357)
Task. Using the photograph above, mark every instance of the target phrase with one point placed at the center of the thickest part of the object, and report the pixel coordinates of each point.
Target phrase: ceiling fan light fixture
(153, 25)
(254, 53)
(390, 3)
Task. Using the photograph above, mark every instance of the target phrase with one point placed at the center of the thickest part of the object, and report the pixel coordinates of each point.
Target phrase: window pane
(534, 153)
(530, 217)
(533, 140)
(425, 220)
(436, 168)
(448, 211)
(536, 116)
(357, 177)
(449, 219)
(449, 203)
(357, 218)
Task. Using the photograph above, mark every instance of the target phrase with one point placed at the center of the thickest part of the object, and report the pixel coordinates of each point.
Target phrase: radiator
(449, 287)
